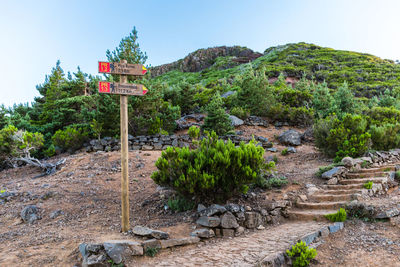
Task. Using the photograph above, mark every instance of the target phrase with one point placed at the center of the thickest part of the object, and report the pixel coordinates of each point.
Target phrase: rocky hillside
(367, 75)
(205, 58)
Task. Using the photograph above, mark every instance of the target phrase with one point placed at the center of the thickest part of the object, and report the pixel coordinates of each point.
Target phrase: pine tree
(323, 101)
(217, 120)
(128, 49)
(344, 100)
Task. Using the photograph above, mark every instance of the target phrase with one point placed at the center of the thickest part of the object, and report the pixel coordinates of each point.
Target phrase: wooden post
(124, 157)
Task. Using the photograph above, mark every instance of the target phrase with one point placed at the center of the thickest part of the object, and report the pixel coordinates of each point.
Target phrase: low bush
(69, 139)
(194, 132)
(214, 170)
(240, 112)
(339, 216)
(368, 185)
(284, 152)
(385, 136)
(272, 182)
(341, 138)
(151, 252)
(301, 254)
(179, 203)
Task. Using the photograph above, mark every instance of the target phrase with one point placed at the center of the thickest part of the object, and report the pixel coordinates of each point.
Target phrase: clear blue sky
(35, 34)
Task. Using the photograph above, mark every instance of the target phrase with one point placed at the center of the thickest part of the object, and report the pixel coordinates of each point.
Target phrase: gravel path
(239, 251)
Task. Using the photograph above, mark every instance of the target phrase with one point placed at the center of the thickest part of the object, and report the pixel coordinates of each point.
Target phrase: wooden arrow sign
(122, 68)
(122, 88)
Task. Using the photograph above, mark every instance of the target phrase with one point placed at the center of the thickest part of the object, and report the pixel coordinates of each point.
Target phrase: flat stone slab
(147, 232)
(118, 250)
(179, 241)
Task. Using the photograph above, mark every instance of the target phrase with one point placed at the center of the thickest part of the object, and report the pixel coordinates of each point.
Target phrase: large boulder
(290, 137)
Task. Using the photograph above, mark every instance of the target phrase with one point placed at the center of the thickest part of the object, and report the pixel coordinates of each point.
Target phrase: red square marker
(104, 87)
(104, 67)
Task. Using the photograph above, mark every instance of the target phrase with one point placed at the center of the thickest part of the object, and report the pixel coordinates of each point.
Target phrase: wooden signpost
(123, 89)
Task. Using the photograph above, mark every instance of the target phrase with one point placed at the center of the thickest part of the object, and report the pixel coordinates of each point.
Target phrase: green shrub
(368, 185)
(346, 137)
(339, 216)
(385, 137)
(217, 120)
(284, 152)
(365, 164)
(179, 203)
(397, 176)
(69, 139)
(151, 252)
(7, 143)
(240, 112)
(214, 169)
(17, 143)
(380, 115)
(301, 254)
(194, 132)
(272, 182)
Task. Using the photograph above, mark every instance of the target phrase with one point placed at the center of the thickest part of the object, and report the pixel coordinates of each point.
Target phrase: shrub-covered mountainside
(351, 100)
(366, 75)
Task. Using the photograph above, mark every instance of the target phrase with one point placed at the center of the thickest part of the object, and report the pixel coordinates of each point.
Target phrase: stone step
(320, 205)
(344, 186)
(309, 215)
(331, 197)
(377, 180)
(379, 169)
(365, 175)
(339, 192)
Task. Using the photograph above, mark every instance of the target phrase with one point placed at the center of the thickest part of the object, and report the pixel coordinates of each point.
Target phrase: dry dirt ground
(87, 190)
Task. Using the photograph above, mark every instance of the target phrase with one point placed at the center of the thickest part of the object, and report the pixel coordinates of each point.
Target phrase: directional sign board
(122, 88)
(122, 68)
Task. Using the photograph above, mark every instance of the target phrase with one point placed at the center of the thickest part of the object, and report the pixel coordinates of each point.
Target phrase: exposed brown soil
(361, 244)
(87, 190)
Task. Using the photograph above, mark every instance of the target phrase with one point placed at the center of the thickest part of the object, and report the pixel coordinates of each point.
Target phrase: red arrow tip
(144, 90)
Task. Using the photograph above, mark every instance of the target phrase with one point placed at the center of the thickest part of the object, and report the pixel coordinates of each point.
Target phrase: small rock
(260, 227)
(56, 213)
(332, 181)
(232, 207)
(203, 233)
(303, 197)
(200, 207)
(228, 232)
(96, 260)
(235, 121)
(209, 221)
(334, 172)
(290, 137)
(239, 231)
(348, 162)
(118, 250)
(291, 150)
(30, 214)
(272, 149)
(228, 220)
(214, 209)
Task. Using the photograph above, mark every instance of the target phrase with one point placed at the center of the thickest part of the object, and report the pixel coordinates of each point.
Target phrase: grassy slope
(367, 75)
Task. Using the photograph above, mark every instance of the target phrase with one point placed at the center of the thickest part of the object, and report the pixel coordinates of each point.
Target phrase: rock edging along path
(250, 250)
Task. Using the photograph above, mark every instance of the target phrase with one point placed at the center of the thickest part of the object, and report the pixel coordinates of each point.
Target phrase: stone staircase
(329, 198)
